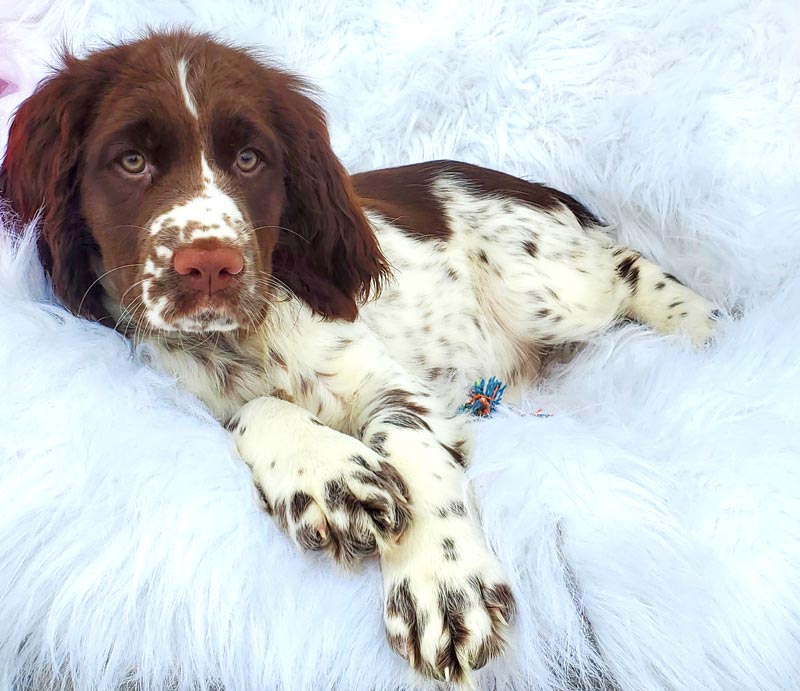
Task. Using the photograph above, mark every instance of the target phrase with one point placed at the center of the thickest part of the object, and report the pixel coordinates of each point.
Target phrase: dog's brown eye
(247, 160)
(133, 162)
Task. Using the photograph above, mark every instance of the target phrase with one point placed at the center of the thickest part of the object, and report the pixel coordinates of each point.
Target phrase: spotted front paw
(325, 489)
(447, 605)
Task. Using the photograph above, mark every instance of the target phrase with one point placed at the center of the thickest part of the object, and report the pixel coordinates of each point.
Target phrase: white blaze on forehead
(183, 72)
(212, 214)
(208, 174)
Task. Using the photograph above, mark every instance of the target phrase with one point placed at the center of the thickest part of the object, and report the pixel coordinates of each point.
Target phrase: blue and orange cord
(485, 396)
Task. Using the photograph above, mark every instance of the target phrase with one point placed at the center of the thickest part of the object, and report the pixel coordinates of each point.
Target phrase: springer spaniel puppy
(191, 200)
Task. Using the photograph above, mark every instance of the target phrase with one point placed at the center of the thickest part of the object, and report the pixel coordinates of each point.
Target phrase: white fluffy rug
(662, 500)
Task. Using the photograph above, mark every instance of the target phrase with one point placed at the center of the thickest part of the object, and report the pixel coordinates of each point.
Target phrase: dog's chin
(226, 312)
(189, 315)
(202, 320)
(207, 322)
(206, 319)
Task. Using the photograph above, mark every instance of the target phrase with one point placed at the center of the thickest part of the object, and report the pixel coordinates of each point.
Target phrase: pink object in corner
(6, 87)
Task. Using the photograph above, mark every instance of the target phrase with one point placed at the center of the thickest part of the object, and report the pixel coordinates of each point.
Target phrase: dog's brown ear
(40, 171)
(329, 257)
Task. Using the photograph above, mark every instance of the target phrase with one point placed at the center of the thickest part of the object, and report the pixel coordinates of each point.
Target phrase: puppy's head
(181, 180)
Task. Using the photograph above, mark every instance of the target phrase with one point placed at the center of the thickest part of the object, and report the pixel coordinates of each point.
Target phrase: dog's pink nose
(208, 270)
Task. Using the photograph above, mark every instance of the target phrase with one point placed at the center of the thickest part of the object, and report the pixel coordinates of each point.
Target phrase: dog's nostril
(208, 270)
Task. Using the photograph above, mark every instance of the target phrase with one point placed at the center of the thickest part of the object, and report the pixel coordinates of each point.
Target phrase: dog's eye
(247, 160)
(133, 162)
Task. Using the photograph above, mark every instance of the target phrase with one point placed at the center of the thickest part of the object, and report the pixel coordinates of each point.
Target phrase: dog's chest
(288, 364)
(222, 376)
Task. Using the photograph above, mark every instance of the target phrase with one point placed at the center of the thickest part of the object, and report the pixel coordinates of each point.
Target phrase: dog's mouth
(163, 309)
(209, 320)
(204, 288)
(205, 313)
(164, 300)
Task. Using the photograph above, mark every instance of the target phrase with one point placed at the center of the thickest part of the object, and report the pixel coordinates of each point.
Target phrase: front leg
(447, 604)
(325, 489)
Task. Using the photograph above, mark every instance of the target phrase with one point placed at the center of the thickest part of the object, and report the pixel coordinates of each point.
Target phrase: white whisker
(100, 278)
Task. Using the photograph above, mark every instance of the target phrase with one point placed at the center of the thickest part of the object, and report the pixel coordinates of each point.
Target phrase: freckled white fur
(481, 302)
(202, 380)
(490, 318)
(216, 212)
(418, 560)
(151, 269)
(214, 325)
(212, 214)
(210, 208)
(154, 309)
(433, 333)
(310, 457)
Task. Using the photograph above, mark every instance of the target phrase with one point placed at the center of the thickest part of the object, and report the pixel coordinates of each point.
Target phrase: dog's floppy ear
(329, 257)
(40, 171)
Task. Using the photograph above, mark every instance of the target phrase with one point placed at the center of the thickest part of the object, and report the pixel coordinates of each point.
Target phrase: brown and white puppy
(191, 199)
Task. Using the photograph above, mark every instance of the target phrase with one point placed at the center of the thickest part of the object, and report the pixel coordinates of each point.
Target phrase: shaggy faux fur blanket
(650, 527)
